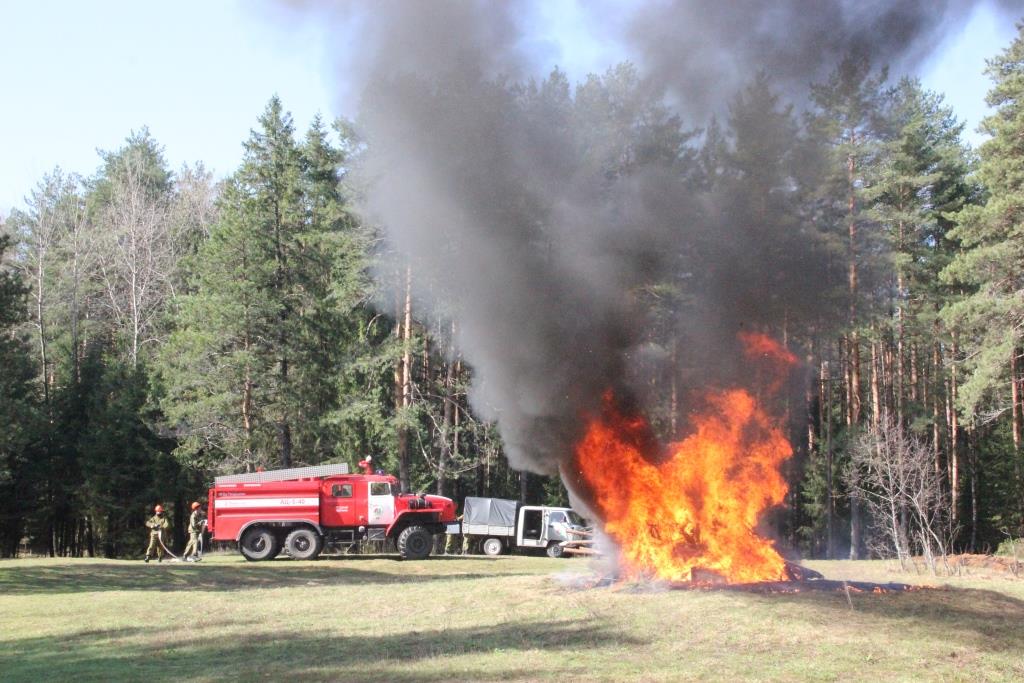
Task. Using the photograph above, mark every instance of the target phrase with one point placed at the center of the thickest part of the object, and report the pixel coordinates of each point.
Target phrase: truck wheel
(556, 550)
(258, 543)
(414, 543)
(493, 546)
(303, 544)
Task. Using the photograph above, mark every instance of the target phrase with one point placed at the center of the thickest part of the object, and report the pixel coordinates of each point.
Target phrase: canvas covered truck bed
(489, 516)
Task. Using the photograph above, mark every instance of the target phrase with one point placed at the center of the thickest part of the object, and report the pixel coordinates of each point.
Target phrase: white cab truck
(502, 525)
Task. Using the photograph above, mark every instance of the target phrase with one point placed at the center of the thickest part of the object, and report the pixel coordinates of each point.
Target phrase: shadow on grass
(145, 654)
(72, 578)
(994, 620)
(355, 557)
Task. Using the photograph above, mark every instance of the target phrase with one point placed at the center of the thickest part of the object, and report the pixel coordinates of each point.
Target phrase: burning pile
(691, 512)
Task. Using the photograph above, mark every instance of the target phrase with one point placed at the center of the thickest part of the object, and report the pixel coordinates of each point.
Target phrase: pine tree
(18, 414)
(211, 368)
(764, 195)
(850, 125)
(922, 176)
(990, 317)
(992, 235)
(250, 370)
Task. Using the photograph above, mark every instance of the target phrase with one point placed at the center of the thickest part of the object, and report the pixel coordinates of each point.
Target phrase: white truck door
(556, 526)
(381, 503)
(530, 529)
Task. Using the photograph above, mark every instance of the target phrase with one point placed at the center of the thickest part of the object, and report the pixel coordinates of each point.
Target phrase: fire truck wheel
(258, 543)
(414, 543)
(493, 546)
(556, 550)
(303, 544)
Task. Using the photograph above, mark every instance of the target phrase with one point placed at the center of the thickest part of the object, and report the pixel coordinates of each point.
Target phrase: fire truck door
(339, 505)
(381, 503)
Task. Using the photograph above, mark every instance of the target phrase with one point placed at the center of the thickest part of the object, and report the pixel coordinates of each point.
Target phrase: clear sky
(79, 76)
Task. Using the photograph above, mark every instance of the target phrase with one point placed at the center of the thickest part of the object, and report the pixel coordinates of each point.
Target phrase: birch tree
(55, 221)
(138, 255)
(893, 475)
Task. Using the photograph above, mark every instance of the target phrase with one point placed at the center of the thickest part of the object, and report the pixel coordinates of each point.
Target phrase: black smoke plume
(551, 223)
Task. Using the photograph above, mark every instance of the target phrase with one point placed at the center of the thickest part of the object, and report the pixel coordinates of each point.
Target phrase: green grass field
(505, 619)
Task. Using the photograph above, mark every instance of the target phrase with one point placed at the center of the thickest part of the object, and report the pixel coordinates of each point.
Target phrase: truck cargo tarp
(490, 511)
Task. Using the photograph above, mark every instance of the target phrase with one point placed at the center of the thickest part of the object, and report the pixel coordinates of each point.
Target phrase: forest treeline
(158, 327)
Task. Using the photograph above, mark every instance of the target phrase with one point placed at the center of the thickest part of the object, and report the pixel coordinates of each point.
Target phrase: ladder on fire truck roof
(283, 475)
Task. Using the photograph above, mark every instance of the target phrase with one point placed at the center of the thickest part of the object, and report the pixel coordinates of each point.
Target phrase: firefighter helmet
(158, 509)
(195, 505)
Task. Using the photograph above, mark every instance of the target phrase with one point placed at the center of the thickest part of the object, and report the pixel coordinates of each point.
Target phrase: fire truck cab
(302, 510)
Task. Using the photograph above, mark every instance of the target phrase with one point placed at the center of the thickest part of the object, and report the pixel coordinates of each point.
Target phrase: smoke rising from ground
(544, 220)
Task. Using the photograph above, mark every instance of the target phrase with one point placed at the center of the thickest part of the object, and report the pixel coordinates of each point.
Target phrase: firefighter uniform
(449, 541)
(156, 524)
(195, 531)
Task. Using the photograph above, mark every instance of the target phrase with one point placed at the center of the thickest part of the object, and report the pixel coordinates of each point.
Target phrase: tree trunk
(954, 438)
(1016, 386)
(448, 416)
(830, 551)
(285, 440)
(482, 472)
(1015, 400)
(854, 348)
(936, 400)
(134, 308)
(75, 278)
(457, 409)
(853, 420)
(900, 331)
(403, 377)
(972, 461)
(280, 281)
(90, 537)
(876, 395)
(40, 310)
(813, 421)
(247, 399)
(674, 398)
(913, 372)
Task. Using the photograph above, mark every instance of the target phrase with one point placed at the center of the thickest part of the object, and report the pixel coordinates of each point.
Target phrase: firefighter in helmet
(196, 521)
(157, 524)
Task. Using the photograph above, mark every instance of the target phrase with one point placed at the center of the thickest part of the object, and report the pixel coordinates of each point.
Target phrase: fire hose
(160, 537)
(199, 550)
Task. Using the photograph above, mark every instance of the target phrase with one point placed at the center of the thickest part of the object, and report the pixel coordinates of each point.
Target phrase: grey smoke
(539, 258)
(704, 50)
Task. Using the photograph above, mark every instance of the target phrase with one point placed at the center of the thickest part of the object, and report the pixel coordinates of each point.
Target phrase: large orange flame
(698, 508)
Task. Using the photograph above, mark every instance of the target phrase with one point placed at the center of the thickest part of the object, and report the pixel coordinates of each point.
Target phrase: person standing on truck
(196, 522)
(157, 524)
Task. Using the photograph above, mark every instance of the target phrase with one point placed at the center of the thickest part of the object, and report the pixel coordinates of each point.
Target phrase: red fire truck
(299, 510)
